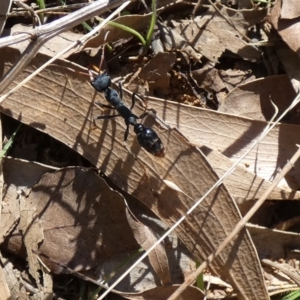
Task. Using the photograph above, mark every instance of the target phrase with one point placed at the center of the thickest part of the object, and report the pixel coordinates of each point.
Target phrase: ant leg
(106, 117)
(104, 105)
(132, 100)
(143, 115)
(126, 133)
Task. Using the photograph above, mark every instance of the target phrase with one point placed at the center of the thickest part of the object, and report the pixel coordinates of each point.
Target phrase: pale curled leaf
(66, 112)
(146, 237)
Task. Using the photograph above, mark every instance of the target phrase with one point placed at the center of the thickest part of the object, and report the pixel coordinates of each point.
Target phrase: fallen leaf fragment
(290, 9)
(155, 73)
(82, 219)
(173, 41)
(281, 244)
(253, 99)
(235, 77)
(208, 78)
(288, 29)
(20, 176)
(32, 235)
(146, 238)
(211, 34)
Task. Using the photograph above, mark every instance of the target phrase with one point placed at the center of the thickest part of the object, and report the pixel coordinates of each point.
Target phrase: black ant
(146, 137)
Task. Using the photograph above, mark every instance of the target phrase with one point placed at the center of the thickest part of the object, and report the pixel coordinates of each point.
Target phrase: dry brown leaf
(281, 244)
(213, 40)
(82, 219)
(234, 77)
(288, 29)
(146, 237)
(290, 9)
(143, 276)
(59, 102)
(290, 61)
(253, 99)
(155, 73)
(208, 78)
(211, 34)
(232, 136)
(242, 184)
(241, 3)
(20, 176)
(15, 169)
(174, 41)
(32, 233)
(242, 19)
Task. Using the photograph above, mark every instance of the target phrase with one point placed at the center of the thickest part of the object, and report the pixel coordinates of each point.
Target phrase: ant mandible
(146, 137)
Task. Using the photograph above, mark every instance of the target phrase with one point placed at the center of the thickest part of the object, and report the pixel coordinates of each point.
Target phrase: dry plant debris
(62, 216)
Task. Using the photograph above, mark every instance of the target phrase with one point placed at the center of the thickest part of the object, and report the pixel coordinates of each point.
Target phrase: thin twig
(30, 12)
(15, 13)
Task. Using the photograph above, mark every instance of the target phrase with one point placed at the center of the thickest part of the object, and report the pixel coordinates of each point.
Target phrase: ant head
(101, 82)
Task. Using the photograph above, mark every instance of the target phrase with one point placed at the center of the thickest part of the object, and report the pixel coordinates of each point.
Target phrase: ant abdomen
(149, 140)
